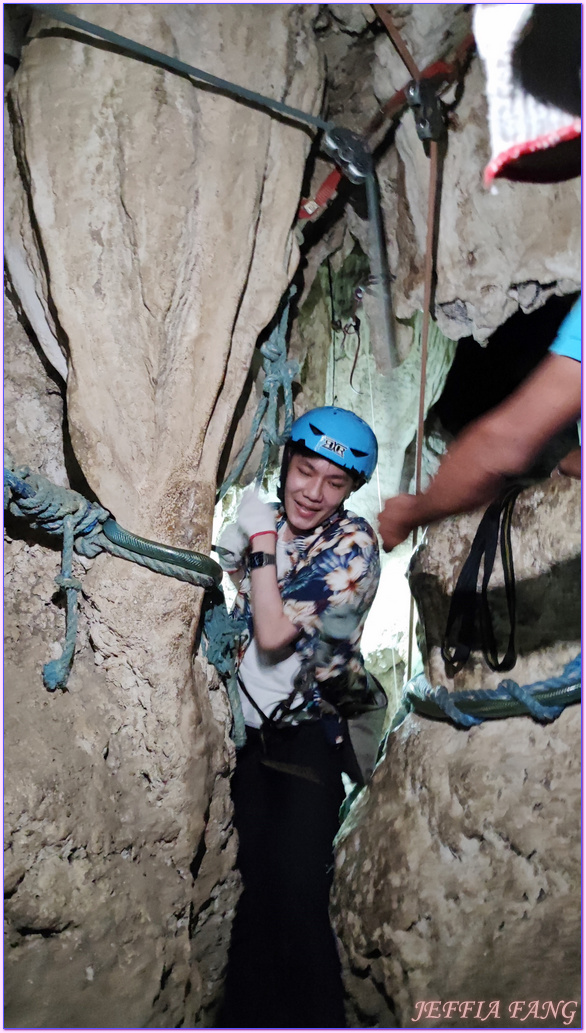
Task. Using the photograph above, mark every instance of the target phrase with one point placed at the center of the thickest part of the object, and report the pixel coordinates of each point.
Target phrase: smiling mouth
(305, 510)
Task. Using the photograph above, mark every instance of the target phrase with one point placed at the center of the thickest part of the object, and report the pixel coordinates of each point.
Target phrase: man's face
(314, 489)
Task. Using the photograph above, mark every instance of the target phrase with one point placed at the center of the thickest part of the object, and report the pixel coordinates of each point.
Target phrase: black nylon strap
(282, 705)
(469, 610)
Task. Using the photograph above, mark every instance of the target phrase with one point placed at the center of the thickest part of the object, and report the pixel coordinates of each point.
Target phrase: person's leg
(307, 820)
(250, 985)
(283, 968)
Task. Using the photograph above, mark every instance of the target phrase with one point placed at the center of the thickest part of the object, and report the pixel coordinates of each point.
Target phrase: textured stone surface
(149, 241)
(147, 307)
(498, 250)
(458, 871)
(115, 791)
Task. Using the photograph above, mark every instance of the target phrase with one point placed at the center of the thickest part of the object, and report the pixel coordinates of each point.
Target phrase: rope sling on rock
(90, 529)
(469, 613)
(543, 700)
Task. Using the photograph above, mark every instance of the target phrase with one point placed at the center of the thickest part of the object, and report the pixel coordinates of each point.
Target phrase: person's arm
(499, 445)
(272, 629)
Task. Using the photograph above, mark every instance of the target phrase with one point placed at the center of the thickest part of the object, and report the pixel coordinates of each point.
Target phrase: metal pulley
(350, 152)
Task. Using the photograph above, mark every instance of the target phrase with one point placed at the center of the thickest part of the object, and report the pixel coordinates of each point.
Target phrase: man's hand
(254, 516)
(397, 520)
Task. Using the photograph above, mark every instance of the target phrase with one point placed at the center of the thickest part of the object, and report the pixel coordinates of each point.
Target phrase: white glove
(255, 517)
(232, 544)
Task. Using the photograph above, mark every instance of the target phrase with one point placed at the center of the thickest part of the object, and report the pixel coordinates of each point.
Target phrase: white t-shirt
(267, 680)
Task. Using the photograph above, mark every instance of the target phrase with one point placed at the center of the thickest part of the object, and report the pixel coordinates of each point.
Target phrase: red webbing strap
(310, 205)
(444, 72)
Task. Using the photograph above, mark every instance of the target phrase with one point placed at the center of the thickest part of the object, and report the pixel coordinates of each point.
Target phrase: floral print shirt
(327, 592)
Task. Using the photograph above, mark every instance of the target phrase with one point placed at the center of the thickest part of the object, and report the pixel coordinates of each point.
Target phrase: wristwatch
(261, 559)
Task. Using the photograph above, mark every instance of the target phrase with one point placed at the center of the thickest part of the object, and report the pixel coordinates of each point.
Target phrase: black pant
(283, 967)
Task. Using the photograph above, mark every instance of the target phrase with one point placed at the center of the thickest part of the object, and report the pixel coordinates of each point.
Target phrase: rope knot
(68, 582)
(538, 710)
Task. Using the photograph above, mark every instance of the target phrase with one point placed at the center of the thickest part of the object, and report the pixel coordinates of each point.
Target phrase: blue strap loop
(532, 705)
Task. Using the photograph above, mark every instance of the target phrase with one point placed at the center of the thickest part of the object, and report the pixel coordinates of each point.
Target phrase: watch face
(261, 559)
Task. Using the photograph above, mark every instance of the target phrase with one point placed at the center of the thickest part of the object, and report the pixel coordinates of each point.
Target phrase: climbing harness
(279, 374)
(467, 606)
(90, 529)
(543, 700)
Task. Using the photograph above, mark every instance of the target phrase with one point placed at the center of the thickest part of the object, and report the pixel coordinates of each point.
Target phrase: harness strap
(397, 40)
(268, 722)
(469, 610)
(283, 704)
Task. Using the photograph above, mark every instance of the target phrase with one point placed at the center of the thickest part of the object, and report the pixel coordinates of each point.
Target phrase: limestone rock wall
(458, 870)
(148, 240)
(458, 875)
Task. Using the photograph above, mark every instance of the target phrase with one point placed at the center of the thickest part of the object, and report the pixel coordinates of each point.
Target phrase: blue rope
(522, 693)
(56, 672)
(56, 510)
(559, 692)
(62, 511)
(445, 702)
(279, 374)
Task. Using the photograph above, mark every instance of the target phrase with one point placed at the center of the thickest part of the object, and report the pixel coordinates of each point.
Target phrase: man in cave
(307, 572)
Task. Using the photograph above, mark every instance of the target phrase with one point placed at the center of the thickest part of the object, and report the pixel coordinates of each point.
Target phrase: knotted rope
(89, 529)
(543, 700)
(220, 631)
(279, 374)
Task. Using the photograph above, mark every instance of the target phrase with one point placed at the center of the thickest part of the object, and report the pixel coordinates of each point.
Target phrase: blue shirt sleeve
(569, 337)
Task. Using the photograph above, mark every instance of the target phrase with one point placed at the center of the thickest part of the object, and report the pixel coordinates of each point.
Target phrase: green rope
(56, 672)
(220, 633)
(543, 700)
(89, 529)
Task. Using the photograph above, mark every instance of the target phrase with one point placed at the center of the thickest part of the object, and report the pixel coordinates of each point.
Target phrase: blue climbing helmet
(338, 435)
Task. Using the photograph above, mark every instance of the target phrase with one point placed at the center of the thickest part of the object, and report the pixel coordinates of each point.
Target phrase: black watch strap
(261, 559)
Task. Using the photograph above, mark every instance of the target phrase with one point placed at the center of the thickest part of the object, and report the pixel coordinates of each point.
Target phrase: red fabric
(503, 164)
(309, 206)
